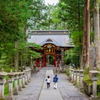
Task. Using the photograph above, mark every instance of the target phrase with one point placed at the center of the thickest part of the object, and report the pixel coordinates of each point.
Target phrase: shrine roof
(50, 37)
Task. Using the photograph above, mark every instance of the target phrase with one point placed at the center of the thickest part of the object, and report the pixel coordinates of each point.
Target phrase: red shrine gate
(49, 49)
(53, 42)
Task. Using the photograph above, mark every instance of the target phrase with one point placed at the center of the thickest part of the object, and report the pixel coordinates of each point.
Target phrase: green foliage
(73, 57)
(67, 71)
(86, 71)
(14, 20)
(6, 89)
(3, 60)
(86, 79)
(2, 99)
(67, 60)
(79, 36)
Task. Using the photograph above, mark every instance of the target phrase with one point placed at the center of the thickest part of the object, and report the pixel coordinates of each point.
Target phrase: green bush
(6, 89)
(67, 70)
(86, 71)
(2, 99)
(67, 60)
(8, 69)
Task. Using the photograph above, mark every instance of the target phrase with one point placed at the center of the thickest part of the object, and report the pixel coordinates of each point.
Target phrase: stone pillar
(16, 85)
(62, 68)
(26, 82)
(71, 75)
(81, 78)
(23, 79)
(20, 81)
(74, 77)
(30, 74)
(2, 81)
(91, 60)
(77, 71)
(94, 79)
(10, 80)
(31, 62)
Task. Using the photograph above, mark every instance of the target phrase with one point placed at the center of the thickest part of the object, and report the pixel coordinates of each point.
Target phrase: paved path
(68, 90)
(65, 91)
(50, 94)
(32, 90)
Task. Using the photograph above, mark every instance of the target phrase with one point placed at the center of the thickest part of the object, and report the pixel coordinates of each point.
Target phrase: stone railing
(76, 77)
(23, 77)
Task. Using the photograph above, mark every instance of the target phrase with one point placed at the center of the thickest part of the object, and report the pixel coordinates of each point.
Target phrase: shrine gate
(53, 42)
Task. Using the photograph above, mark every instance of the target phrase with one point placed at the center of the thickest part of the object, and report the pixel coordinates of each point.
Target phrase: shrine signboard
(49, 48)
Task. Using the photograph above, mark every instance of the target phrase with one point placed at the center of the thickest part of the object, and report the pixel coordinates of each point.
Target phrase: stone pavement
(32, 90)
(65, 91)
(68, 90)
(50, 94)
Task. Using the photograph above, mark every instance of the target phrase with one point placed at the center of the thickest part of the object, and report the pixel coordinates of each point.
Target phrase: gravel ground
(68, 91)
(32, 90)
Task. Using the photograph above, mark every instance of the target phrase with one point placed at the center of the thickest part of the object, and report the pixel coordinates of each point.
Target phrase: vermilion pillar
(36, 62)
(44, 59)
(55, 58)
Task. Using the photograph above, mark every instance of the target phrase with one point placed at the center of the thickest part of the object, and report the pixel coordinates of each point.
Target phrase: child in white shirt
(48, 80)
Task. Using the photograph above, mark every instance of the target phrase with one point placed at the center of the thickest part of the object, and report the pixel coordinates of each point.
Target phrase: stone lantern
(94, 79)
(10, 80)
(2, 81)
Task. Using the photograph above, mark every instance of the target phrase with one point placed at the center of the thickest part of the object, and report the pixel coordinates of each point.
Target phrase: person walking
(48, 80)
(55, 80)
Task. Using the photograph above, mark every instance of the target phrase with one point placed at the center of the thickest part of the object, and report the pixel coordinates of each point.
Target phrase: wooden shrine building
(53, 42)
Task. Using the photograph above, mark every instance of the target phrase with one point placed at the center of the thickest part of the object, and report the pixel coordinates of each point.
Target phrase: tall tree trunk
(23, 50)
(86, 36)
(80, 46)
(16, 56)
(91, 29)
(96, 31)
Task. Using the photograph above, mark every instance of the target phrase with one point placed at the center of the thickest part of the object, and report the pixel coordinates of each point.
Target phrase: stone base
(74, 83)
(63, 70)
(80, 89)
(15, 93)
(26, 83)
(71, 81)
(23, 86)
(10, 98)
(93, 97)
(77, 85)
(20, 89)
